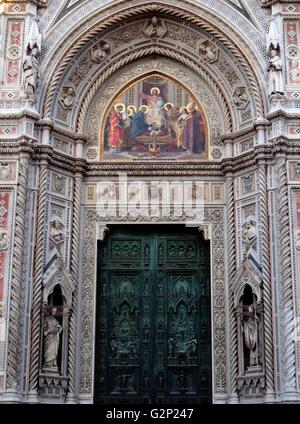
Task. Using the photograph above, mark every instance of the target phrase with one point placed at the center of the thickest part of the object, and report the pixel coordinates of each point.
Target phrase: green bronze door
(153, 342)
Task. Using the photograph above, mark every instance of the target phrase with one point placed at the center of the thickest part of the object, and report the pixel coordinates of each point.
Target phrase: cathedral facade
(150, 201)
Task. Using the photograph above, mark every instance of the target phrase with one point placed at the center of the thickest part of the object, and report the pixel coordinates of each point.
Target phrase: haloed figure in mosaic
(52, 330)
(250, 329)
(116, 128)
(162, 121)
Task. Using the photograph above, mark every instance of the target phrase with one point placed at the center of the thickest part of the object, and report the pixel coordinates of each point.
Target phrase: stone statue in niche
(30, 65)
(67, 98)
(56, 231)
(155, 28)
(100, 51)
(30, 70)
(240, 97)
(276, 84)
(250, 330)
(52, 330)
(208, 52)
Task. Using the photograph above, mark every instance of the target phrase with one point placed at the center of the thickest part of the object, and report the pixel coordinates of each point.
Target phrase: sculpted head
(34, 51)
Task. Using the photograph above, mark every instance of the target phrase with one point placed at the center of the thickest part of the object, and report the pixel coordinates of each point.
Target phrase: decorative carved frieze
(53, 387)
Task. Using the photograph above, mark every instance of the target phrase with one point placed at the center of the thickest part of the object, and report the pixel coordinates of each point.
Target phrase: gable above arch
(70, 6)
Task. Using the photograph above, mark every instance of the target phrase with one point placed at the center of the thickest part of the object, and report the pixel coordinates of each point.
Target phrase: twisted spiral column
(287, 306)
(14, 349)
(266, 272)
(74, 271)
(37, 282)
(231, 274)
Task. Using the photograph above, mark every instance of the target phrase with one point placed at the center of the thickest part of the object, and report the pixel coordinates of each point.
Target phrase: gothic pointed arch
(182, 48)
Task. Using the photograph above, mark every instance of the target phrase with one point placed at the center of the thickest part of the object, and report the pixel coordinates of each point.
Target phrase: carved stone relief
(7, 171)
(209, 52)
(58, 184)
(212, 57)
(249, 233)
(155, 27)
(248, 184)
(240, 97)
(67, 97)
(294, 168)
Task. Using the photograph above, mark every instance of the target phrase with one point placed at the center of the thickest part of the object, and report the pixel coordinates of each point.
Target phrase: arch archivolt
(183, 28)
(179, 53)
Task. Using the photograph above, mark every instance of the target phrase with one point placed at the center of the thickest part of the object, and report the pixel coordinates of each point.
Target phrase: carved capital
(205, 230)
(101, 231)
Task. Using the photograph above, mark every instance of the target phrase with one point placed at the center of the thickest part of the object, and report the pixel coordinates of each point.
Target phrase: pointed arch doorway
(153, 329)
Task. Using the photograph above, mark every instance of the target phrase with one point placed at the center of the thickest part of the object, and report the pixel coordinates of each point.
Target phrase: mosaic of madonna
(155, 118)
